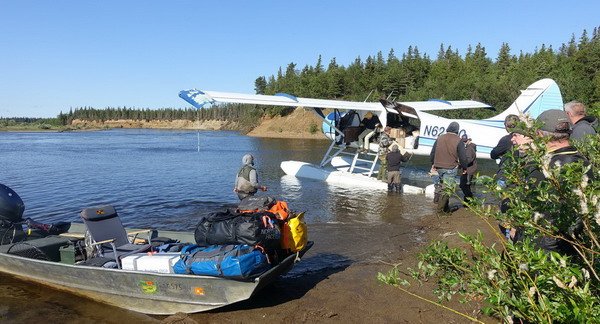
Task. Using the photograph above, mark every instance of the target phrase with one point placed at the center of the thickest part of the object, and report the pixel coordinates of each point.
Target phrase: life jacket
(294, 233)
(243, 183)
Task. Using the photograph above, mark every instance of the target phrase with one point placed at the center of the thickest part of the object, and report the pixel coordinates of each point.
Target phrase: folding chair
(107, 232)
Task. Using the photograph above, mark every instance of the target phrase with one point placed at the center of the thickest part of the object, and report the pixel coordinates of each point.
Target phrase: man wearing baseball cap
(556, 127)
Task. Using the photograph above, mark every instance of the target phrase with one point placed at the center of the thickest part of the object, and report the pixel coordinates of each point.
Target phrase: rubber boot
(390, 187)
(442, 204)
(398, 188)
(437, 192)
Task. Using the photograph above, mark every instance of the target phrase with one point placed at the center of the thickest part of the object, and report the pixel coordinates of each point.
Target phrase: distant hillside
(77, 124)
(300, 123)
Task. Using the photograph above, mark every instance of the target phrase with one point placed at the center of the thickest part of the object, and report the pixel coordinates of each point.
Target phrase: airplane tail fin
(540, 96)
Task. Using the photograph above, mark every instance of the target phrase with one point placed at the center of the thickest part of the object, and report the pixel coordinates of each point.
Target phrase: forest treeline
(411, 76)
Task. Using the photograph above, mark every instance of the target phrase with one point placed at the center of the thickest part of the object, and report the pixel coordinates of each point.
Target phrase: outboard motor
(11, 215)
(11, 205)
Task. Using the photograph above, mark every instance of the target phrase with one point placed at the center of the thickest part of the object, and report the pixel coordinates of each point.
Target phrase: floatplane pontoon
(343, 163)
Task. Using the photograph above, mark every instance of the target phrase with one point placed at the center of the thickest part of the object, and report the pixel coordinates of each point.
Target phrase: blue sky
(58, 54)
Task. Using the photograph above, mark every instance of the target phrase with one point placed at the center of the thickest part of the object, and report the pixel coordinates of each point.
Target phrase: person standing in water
(448, 155)
(246, 182)
(394, 162)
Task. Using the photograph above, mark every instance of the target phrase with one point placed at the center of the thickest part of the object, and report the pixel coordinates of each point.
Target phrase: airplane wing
(199, 99)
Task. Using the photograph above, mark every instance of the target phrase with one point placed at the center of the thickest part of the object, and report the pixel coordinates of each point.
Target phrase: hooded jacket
(584, 126)
(559, 157)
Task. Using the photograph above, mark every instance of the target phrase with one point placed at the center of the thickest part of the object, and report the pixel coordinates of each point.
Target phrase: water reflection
(341, 204)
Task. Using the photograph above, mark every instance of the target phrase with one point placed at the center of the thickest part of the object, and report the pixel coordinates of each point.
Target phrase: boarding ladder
(369, 165)
(366, 165)
(335, 150)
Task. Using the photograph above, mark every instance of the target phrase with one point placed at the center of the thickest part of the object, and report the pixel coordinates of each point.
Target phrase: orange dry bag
(280, 209)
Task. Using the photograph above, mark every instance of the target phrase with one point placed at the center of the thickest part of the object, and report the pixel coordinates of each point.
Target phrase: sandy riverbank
(301, 123)
(352, 294)
(347, 292)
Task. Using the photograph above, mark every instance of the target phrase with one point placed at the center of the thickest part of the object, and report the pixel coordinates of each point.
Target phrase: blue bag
(229, 261)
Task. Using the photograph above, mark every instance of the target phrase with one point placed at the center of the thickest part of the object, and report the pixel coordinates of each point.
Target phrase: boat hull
(144, 292)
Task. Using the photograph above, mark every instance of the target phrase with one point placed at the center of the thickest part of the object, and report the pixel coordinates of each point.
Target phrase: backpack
(294, 233)
(384, 140)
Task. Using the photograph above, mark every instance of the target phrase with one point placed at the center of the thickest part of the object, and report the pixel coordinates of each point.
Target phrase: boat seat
(107, 232)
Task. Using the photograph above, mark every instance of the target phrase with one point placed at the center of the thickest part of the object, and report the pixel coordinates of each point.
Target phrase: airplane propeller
(400, 108)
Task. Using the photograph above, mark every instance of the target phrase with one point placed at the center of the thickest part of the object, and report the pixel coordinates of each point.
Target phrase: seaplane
(413, 127)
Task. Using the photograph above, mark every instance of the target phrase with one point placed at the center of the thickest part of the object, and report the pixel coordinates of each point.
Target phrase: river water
(166, 179)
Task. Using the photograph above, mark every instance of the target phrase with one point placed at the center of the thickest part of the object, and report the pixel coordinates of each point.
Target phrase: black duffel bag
(231, 227)
(256, 203)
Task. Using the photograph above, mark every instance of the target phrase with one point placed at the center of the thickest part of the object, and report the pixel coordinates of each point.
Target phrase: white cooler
(159, 262)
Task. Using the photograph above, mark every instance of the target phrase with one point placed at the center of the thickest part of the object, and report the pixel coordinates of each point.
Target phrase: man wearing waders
(448, 156)
(246, 183)
(394, 161)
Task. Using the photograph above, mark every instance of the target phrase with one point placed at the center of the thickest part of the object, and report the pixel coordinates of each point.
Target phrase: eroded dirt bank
(300, 123)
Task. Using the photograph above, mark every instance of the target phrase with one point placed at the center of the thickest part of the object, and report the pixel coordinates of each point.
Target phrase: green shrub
(520, 281)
